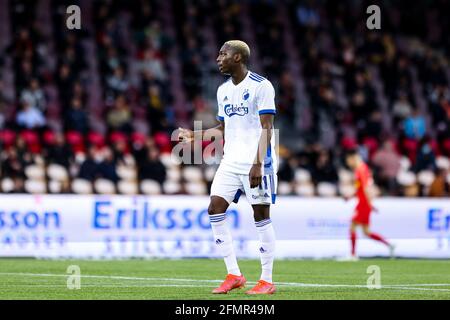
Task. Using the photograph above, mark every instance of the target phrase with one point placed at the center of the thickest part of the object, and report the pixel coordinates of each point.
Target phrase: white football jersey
(240, 107)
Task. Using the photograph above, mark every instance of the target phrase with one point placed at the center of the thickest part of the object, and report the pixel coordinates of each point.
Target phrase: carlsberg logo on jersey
(231, 110)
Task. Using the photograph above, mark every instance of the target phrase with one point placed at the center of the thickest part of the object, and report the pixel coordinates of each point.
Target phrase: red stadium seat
(446, 147)
(410, 147)
(7, 137)
(435, 147)
(75, 140)
(49, 137)
(162, 140)
(30, 137)
(348, 143)
(96, 139)
(137, 137)
(32, 141)
(117, 137)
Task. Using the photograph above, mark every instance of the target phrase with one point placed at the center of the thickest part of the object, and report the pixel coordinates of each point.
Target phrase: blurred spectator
(89, 169)
(107, 167)
(156, 116)
(374, 126)
(203, 113)
(12, 166)
(439, 187)
(401, 109)
(117, 83)
(439, 100)
(286, 98)
(29, 117)
(59, 152)
(387, 161)
(152, 168)
(308, 15)
(35, 95)
(119, 117)
(414, 125)
(425, 159)
(287, 169)
(65, 80)
(324, 170)
(76, 118)
(153, 64)
(2, 116)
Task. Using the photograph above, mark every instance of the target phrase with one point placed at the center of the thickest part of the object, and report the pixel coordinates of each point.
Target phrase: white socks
(224, 242)
(267, 247)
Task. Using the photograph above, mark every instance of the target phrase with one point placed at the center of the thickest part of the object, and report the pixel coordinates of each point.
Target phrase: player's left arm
(367, 189)
(265, 101)
(264, 141)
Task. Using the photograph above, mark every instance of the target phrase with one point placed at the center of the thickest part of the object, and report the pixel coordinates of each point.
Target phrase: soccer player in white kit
(246, 103)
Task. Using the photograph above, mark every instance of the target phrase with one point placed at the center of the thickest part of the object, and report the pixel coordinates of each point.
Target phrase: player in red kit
(363, 183)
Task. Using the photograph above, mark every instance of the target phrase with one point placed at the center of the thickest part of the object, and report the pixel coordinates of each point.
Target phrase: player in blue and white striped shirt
(246, 110)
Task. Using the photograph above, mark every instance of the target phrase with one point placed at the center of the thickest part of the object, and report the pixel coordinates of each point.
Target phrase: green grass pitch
(195, 278)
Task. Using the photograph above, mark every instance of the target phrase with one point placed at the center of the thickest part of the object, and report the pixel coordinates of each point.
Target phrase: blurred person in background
(89, 169)
(117, 83)
(119, 117)
(364, 208)
(30, 117)
(324, 170)
(2, 111)
(156, 115)
(76, 117)
(65, 80)
(401, 109)
(152, 167)
(107, 167)
(36, 95)
(439, 187)
(425, 158)
(414, 125)
(387, 161)
(59, 152)
(13, 167)
(287, 168)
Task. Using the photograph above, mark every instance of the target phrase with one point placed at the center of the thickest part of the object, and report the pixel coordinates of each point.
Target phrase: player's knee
(258, 216)
(216, 207)
(212, 209)
(261, 213)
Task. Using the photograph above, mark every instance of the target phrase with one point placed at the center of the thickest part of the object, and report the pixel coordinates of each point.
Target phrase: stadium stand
(92, 110)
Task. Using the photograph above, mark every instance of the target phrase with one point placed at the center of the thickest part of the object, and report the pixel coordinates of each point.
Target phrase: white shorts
(230, 186)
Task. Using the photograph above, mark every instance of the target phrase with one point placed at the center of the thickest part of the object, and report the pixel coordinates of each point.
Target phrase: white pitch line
(287, 284)
(414, 288)
(114, 285)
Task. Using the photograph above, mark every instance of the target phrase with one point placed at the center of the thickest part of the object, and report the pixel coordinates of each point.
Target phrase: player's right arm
(187, 135)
